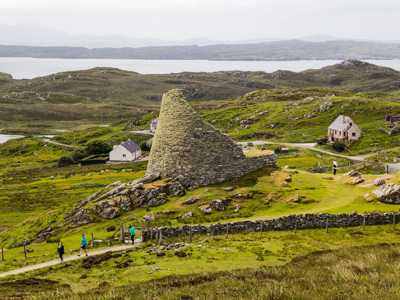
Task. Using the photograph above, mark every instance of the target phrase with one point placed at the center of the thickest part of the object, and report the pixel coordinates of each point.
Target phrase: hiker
(84, 245)
(60, 250)
(132, 233)
(334, 167)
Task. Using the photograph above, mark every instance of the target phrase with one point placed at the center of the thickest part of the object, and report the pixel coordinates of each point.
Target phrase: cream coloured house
(343, 129)
(126, 151)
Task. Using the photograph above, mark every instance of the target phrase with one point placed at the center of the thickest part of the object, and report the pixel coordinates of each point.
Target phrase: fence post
(2, 254)
(25, 252)
(227, 230)
(190, 234)
(394, 221)
(327, 225)
(159, 236)
(92, 240)
(122, 238)
(295, 226)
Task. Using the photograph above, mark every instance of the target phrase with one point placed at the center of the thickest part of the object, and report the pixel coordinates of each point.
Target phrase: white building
(343, 129)
(153, 125)
(126, 151)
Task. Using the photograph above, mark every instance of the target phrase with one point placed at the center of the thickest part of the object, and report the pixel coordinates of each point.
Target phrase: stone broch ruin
(187, 147)
(187, 151)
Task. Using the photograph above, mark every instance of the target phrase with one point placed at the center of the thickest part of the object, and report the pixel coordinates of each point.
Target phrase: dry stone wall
(308, 221)
(187, 147)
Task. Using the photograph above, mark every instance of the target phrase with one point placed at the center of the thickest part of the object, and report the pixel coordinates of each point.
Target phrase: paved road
(54, 262)
(312, 147)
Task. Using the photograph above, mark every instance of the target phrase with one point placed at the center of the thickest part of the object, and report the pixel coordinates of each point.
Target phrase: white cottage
(343, 129)
(126, 151)
(153, 125)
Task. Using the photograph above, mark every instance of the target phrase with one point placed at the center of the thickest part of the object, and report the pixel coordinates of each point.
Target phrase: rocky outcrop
(186, 146)
(388, 193)
(115, 199)
(354, 177)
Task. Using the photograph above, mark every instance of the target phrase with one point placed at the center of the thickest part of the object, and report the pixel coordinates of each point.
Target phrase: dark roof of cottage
(132, 147)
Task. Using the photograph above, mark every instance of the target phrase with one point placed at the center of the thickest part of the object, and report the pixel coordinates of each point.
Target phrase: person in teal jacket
(132, 233)
(84, 245)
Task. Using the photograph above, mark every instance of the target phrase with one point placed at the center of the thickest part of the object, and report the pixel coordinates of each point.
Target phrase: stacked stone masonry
(186, 146)
(293, 222)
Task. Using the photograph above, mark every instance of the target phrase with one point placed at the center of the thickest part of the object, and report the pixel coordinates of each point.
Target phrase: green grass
(210, 254)
(299, 120)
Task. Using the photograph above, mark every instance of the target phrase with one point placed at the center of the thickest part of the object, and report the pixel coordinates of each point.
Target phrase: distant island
(276, 50)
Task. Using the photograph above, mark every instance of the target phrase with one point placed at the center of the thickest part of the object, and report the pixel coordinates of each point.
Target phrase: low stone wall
(308, 221)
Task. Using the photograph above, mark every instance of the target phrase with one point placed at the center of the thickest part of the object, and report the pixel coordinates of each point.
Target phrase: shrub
(145, 146)
(78, 155)
(322, 141)
(97, 147)
(339, 147)
(65, 161)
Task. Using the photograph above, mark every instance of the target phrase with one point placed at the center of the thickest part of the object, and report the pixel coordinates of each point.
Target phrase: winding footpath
(74, 257)
(313, 147)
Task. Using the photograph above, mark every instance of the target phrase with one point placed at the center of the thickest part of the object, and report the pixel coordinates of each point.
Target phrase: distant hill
(109, 94)
(273, 50)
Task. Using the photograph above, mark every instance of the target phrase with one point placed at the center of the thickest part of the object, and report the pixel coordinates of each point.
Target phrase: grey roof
(132, 147)
(342, 123)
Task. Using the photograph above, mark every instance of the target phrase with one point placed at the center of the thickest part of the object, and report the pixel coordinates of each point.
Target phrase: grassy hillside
(304, 116)
(105, 95)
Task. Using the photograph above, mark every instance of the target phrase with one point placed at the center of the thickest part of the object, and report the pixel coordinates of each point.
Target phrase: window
(124, 155)
(353, 134)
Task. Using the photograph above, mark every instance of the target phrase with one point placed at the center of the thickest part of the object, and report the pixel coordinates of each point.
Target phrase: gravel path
(54, 262)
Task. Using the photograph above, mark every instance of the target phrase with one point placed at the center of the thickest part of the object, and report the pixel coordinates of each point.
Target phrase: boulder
(180, 253)
(353, 173)
(379, 181)
(148, 218)
(109, 212)
(187, 215)
(191, 200)
(369, 197)
(357, 180)
(205, 209)
(157, 201)
(219, 204)
(388, 193)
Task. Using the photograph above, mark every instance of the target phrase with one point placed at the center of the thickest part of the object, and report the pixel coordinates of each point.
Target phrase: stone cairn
(188, 148)
(186, 153)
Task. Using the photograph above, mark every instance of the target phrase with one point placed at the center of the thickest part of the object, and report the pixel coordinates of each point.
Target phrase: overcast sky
(64, 21)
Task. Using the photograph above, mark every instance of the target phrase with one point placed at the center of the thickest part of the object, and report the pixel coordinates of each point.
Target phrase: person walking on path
(132, 233)
(334, 167)
(60, 250)
(84, 245)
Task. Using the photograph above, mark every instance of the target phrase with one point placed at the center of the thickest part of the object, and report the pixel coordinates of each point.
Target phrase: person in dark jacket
(334, 167)
(60, 250)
